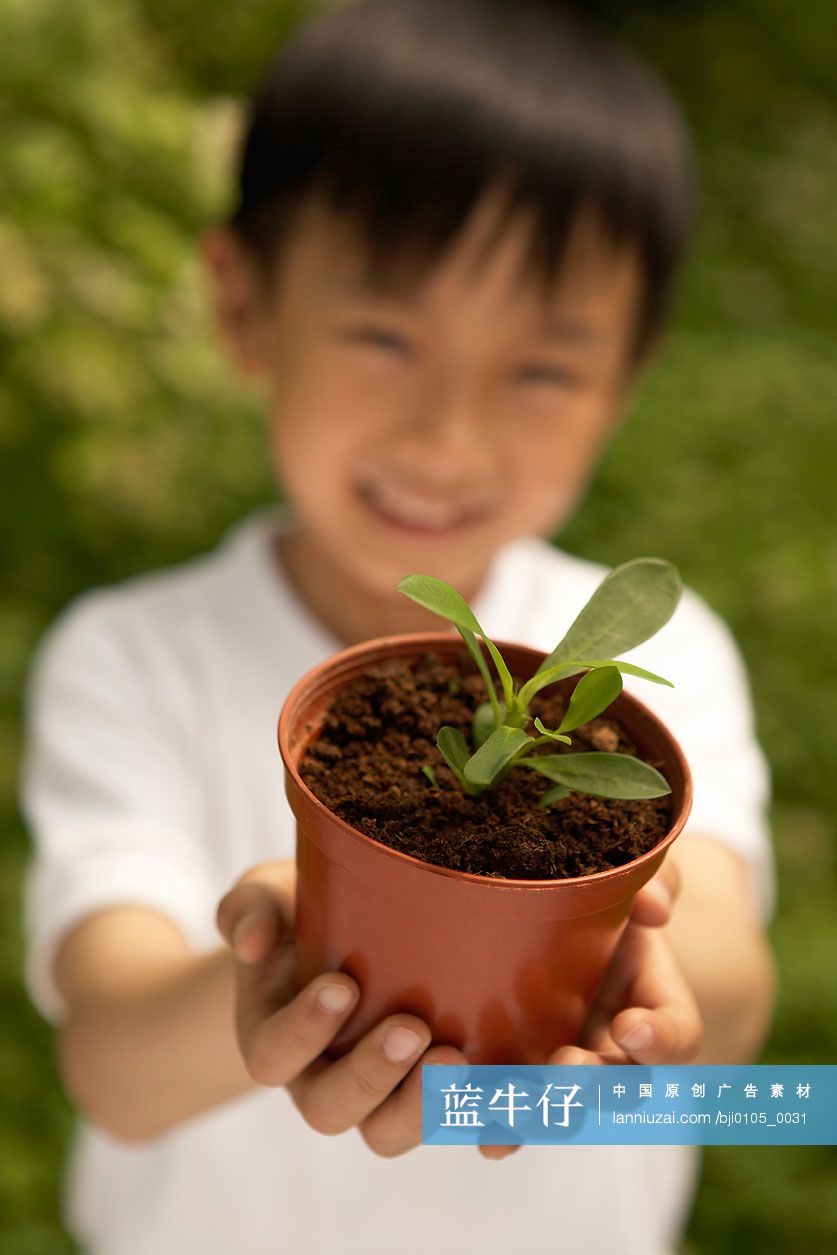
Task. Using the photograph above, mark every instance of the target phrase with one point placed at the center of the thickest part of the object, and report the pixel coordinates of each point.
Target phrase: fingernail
(400, 1043)
(244, 925)
(334, 998)
(638, 1037)
(570, 1056)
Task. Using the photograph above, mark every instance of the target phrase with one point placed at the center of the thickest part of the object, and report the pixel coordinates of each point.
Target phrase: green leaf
(431, 775)
(563, 671)
(593, 694)
(628, 668)
(453, 748)
(632, 603)
(483, 723)
(494, 754)
(541, 679)
(554, 736)
(443, 600)
(554, 794)
(602, 774)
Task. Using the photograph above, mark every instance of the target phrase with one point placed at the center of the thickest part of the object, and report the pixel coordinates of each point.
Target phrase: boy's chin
(379, 574)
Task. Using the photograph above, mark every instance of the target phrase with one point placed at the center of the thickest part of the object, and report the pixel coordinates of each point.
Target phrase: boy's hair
(400, 114)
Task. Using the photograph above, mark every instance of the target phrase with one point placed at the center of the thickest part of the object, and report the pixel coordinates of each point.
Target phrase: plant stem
(476, 653)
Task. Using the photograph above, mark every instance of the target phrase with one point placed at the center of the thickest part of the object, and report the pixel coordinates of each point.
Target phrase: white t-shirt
(152, 777)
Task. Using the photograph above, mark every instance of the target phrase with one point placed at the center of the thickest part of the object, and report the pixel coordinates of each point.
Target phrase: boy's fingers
(670, 1034)
(395, 1126)
(652, 904)
(497, 1152)
(282, 1032)
(568, 1055)
(267, 887)
(253, 917)
(387, 1131)
(662, 1022)
(645, 983)
(339, 1095)
(573, 1056)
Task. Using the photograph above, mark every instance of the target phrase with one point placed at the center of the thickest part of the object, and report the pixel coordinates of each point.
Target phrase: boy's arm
(151, 1028)
(149, 1038)
(156, 1034)
(722, 949)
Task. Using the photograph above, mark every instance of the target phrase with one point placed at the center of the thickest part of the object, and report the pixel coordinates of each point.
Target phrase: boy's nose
(450, 434)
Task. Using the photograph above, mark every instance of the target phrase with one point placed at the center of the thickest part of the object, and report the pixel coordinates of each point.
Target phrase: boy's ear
(238, 299)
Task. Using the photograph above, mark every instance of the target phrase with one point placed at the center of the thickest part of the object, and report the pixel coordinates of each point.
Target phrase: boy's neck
(350, 613)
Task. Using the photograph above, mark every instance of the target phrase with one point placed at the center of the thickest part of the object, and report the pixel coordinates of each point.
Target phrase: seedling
(632, 603)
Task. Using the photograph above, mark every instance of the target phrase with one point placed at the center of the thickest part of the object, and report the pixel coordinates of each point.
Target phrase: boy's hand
(642, 986)
(282, 1033)
(645, 1011)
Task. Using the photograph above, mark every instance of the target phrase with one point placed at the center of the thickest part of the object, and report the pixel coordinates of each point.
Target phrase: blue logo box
(709, 1105)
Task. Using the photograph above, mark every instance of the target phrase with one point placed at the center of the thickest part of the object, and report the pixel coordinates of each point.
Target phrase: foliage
(631, 604)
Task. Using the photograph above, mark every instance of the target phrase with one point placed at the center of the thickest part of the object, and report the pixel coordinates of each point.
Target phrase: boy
(456, 235)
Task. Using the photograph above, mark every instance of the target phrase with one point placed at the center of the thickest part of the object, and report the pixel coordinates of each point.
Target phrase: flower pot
(505, 970)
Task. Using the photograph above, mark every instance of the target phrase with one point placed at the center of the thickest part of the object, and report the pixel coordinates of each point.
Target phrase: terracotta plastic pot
(504, 970)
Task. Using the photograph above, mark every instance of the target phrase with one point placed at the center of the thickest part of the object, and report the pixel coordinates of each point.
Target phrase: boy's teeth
(413, 511)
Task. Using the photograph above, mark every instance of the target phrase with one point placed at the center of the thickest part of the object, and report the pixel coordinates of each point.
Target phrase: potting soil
(366, 766)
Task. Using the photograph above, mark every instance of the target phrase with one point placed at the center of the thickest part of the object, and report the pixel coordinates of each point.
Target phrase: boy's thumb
(252, 919)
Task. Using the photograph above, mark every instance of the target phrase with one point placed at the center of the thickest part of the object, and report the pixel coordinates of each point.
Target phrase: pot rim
(429, 640)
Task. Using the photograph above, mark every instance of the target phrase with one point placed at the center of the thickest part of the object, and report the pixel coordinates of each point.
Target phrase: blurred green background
(126, 444)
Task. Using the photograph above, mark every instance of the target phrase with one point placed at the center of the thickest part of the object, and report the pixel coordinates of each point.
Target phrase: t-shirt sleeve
(710, 712)
(109, 788)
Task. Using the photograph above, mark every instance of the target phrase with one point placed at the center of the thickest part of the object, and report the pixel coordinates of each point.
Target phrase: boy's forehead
(487, 251)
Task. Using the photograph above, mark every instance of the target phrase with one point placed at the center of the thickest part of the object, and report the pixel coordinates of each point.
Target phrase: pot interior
(309, 701)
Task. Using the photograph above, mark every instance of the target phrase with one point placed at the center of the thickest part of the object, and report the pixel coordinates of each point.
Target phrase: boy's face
(421, 430)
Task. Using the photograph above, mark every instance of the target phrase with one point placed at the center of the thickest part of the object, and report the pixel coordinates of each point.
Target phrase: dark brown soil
(365, 765)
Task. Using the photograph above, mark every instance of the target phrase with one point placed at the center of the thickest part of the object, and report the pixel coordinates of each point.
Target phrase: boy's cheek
(540, 510)
(314, 441)
(545, 483)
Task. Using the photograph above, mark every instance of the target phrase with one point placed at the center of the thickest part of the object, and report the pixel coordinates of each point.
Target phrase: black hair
(400, 114)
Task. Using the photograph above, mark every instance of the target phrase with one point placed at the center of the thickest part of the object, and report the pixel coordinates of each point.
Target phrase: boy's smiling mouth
(409, 512)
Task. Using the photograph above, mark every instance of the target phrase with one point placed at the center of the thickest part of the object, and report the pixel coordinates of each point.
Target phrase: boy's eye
(390, 341)
(555, 375)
